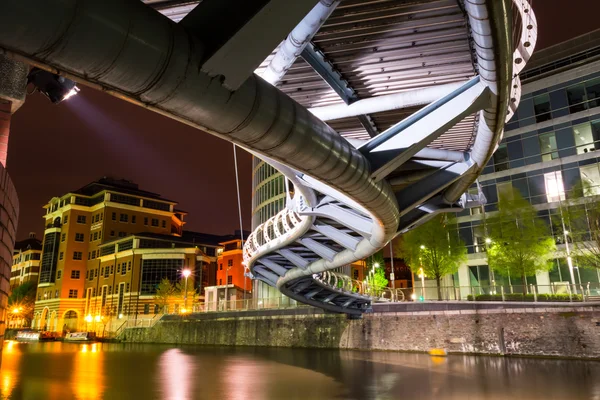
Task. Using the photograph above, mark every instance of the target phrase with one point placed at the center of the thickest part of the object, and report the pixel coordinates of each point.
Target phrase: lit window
(590, 178)
(555, 189)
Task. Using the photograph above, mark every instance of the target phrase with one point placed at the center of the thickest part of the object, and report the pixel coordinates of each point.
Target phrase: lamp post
(422, 275)
(186, 273)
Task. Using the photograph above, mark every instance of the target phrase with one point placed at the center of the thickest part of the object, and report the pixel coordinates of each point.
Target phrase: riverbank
(519, 329)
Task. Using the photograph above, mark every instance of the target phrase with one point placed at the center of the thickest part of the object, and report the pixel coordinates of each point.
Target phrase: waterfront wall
(554, 331)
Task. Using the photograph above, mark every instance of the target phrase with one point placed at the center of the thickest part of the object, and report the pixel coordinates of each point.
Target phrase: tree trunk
(439, 288)
(524, 279)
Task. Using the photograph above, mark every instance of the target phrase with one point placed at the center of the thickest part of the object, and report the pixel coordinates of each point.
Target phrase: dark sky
(55, 149)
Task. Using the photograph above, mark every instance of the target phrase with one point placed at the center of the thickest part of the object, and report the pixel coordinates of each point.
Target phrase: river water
(124, 371)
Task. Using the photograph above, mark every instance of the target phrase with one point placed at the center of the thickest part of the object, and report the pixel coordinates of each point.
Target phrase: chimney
(31, 235)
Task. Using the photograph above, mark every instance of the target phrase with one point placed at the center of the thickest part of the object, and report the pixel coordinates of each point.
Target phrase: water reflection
(10, 364)
(118, 371)
(88, 375)
(177, 375)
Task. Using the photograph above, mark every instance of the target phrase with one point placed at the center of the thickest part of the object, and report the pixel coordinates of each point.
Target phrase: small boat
(80, 337)
(34, 336)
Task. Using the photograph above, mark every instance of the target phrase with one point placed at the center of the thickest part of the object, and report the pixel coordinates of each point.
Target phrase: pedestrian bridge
(380, 114)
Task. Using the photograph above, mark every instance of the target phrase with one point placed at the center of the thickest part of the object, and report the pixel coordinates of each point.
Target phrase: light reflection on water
(119, 371)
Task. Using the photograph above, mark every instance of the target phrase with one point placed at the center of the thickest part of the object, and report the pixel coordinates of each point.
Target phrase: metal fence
(560, 291)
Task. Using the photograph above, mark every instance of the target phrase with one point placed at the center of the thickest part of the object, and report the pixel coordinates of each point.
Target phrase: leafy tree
(164, 292)
(521, 244)
(436, 247)
(180, 291)
(376, 273)
(580, 217)
(22, 298)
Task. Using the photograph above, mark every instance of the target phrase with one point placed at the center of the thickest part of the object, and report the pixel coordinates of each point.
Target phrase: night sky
(56, 149)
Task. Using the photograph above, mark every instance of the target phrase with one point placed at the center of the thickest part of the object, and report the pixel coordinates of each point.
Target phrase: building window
(555, 189)
(587, 136)
(112, 233)
(106, 271)
(112, 269)
(118, 268)
(590, 177)
(541, 107)
(153, 271)
(123, 268)
(56, 294)
(133, 219)
(164, 223)
(505, 190)
(61, 255)
(146, 308)
(97, 218)
(548, 146)
(220, 266)
(229, 279)
(154, 222)
(89, 255)
(220, 282)
(121, 234)
(79, 237)
(576, 98)
(114, 216)
(72, 293)
(63, 237)
(93, 254)
(81, 219)
(77, 255)
(75, 274)
(123, 218)
(95, 235)
(127, 287)
(145, 220)
(230, 263)
(129, 266)
(65, 219)
(59, 274)
(87, 275)
(501, 158)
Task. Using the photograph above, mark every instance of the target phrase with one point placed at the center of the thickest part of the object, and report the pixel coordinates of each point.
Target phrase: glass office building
(550, 145)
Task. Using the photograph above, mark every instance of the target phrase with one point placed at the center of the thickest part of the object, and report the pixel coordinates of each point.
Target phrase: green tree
(164, 292)
(436, 247)
(21, 301)
(579, 216)
(376, 273)
(180, 291)
(521, 244)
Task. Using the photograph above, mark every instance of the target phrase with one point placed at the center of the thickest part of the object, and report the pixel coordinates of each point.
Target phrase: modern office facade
(26, 261)
(549, 146)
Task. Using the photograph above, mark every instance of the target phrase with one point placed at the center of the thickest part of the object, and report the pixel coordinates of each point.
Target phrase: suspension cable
(239, 201)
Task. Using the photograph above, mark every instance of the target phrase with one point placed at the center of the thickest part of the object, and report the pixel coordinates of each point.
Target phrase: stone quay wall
(548, 331)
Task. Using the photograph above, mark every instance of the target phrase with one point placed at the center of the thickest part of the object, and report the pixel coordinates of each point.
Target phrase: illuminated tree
(521, 244)
(164, 292)
(436, 247)
(21, 301)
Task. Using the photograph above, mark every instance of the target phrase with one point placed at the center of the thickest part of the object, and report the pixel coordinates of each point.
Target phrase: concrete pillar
(543, 282)
(13, 81)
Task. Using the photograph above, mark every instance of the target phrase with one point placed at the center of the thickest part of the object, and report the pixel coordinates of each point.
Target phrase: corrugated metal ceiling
(380, 47)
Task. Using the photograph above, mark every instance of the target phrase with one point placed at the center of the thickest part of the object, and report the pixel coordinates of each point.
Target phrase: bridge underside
(379, 113)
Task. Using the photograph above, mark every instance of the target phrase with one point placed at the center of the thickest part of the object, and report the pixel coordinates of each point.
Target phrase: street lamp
(186, 273)
(488, 240)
